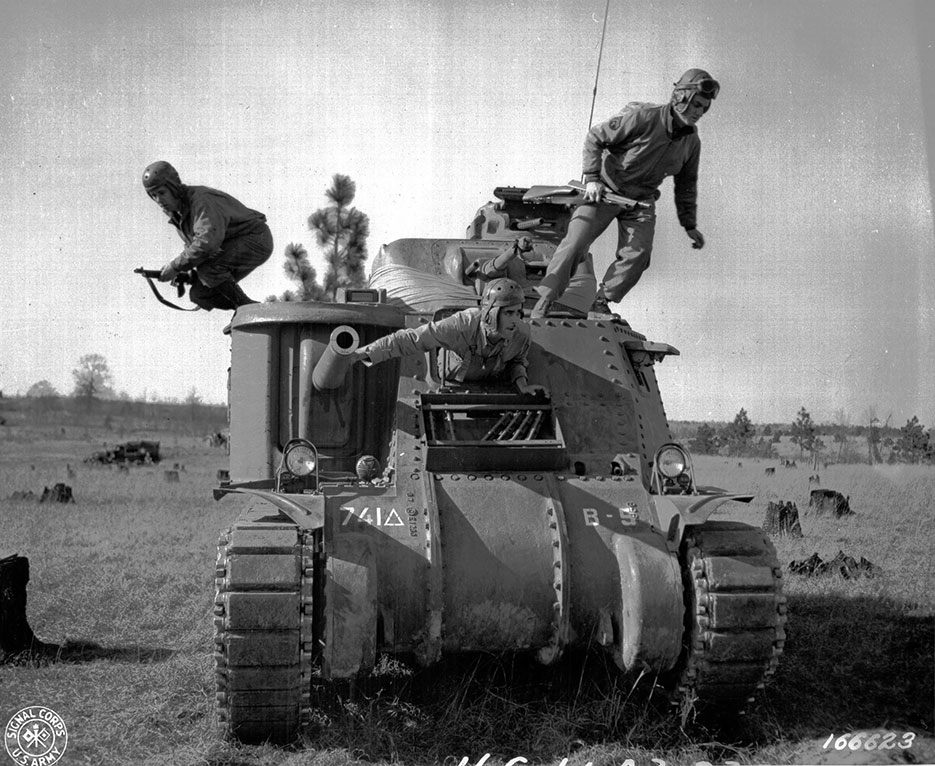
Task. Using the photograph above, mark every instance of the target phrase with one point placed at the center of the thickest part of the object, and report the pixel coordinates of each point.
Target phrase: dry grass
(123, 579)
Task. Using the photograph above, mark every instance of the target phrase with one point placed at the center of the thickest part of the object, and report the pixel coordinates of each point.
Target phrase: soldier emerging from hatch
(224, 239)
(487, 343)
(631, 154)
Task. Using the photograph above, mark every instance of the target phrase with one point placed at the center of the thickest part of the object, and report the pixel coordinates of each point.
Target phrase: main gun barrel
(337, 359)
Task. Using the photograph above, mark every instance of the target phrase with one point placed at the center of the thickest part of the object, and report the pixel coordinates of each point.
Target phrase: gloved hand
(696, 237)
(168, 273)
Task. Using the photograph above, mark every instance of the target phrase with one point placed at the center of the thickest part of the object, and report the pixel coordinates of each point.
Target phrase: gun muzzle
(337, 359)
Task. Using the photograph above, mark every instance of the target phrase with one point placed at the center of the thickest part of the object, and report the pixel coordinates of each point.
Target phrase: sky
(816, 288)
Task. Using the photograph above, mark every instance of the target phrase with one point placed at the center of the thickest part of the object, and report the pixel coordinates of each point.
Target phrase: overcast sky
(816, 287)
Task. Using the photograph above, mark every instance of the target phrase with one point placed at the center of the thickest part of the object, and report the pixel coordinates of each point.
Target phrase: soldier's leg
(251, 251)
(226, 296)
(635, 232)
(238, 258)
(586, 225)
(216, 283)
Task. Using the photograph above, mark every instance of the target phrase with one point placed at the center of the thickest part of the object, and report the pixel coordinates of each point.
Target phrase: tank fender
(350, 630)
(307, 511)
(650, 621)
(675, 512)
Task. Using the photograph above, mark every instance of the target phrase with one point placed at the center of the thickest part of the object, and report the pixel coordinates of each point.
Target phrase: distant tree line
(93, 381)
(913, 443)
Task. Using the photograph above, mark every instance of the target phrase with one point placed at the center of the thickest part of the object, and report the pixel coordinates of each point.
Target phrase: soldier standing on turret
(224, 239)
(631, 154)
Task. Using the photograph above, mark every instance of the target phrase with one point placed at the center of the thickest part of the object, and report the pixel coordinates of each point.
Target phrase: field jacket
(473, 357)
(208, 220)
(634, 151)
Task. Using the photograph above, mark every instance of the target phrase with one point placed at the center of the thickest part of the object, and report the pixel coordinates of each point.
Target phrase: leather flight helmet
(161, 173)
(497, 294)
(692, 82)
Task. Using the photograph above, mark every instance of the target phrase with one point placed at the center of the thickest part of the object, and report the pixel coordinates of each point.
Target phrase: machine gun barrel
(572, 194)
(337, 359)
(183, 277)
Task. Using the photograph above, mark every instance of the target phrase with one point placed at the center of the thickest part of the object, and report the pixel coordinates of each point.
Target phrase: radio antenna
(597, 74)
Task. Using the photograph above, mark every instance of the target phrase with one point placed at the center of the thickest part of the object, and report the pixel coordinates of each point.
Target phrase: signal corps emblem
(35, 736)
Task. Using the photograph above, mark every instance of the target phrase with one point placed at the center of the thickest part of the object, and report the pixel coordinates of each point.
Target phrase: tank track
(263, 631)
(735, 617)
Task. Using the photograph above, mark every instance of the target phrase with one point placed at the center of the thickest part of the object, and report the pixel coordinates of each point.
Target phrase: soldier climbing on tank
(487, 343)
(631, 154)
(224, 239)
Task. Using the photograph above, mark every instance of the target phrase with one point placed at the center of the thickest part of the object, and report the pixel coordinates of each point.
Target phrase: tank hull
(498, 522)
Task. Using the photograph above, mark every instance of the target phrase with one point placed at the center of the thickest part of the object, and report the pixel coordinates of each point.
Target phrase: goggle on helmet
(692, 82)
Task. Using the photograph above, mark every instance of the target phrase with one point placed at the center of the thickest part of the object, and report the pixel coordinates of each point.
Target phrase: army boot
(600, 309)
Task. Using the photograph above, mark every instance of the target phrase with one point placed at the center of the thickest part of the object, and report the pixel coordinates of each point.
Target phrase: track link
(735, 617)
(263, 631)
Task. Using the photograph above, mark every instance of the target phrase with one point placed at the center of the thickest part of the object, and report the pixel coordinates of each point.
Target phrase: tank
(389, 511)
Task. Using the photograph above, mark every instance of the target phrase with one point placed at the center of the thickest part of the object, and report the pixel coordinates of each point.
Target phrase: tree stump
(821, 500)
(16, 637)
(782, 519)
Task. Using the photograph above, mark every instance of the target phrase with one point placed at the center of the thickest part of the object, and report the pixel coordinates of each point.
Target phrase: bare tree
(41, 389)
(874, 434)
(92, 377)
(842, 423)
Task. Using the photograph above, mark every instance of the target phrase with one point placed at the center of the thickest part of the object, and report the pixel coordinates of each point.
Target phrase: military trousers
(236, 258)
(635, 232)
(217, 278)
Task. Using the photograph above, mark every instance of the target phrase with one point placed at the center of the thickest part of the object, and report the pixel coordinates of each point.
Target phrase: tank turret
(392, 511)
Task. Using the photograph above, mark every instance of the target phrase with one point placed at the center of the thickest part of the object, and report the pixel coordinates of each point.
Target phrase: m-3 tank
(393, 512)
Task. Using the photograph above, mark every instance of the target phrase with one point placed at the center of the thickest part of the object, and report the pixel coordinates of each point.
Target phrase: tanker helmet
(497, 294)
(161, 173)
(692, 82)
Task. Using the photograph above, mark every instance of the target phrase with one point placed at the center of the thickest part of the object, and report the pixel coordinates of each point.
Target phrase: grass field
(123, 579)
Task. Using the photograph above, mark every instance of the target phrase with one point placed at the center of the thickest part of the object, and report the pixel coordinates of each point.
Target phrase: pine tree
(300, 270)
(739, 434)
(914, 444)
(341, 231)
(705, 441)
(803, 431)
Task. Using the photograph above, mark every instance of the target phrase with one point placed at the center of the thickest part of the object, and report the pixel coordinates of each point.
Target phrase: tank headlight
(672, 471)
(367, 468)
(671, 462)
(300, 459)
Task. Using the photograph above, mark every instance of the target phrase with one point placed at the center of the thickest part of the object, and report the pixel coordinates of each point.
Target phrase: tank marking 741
(378, 517)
